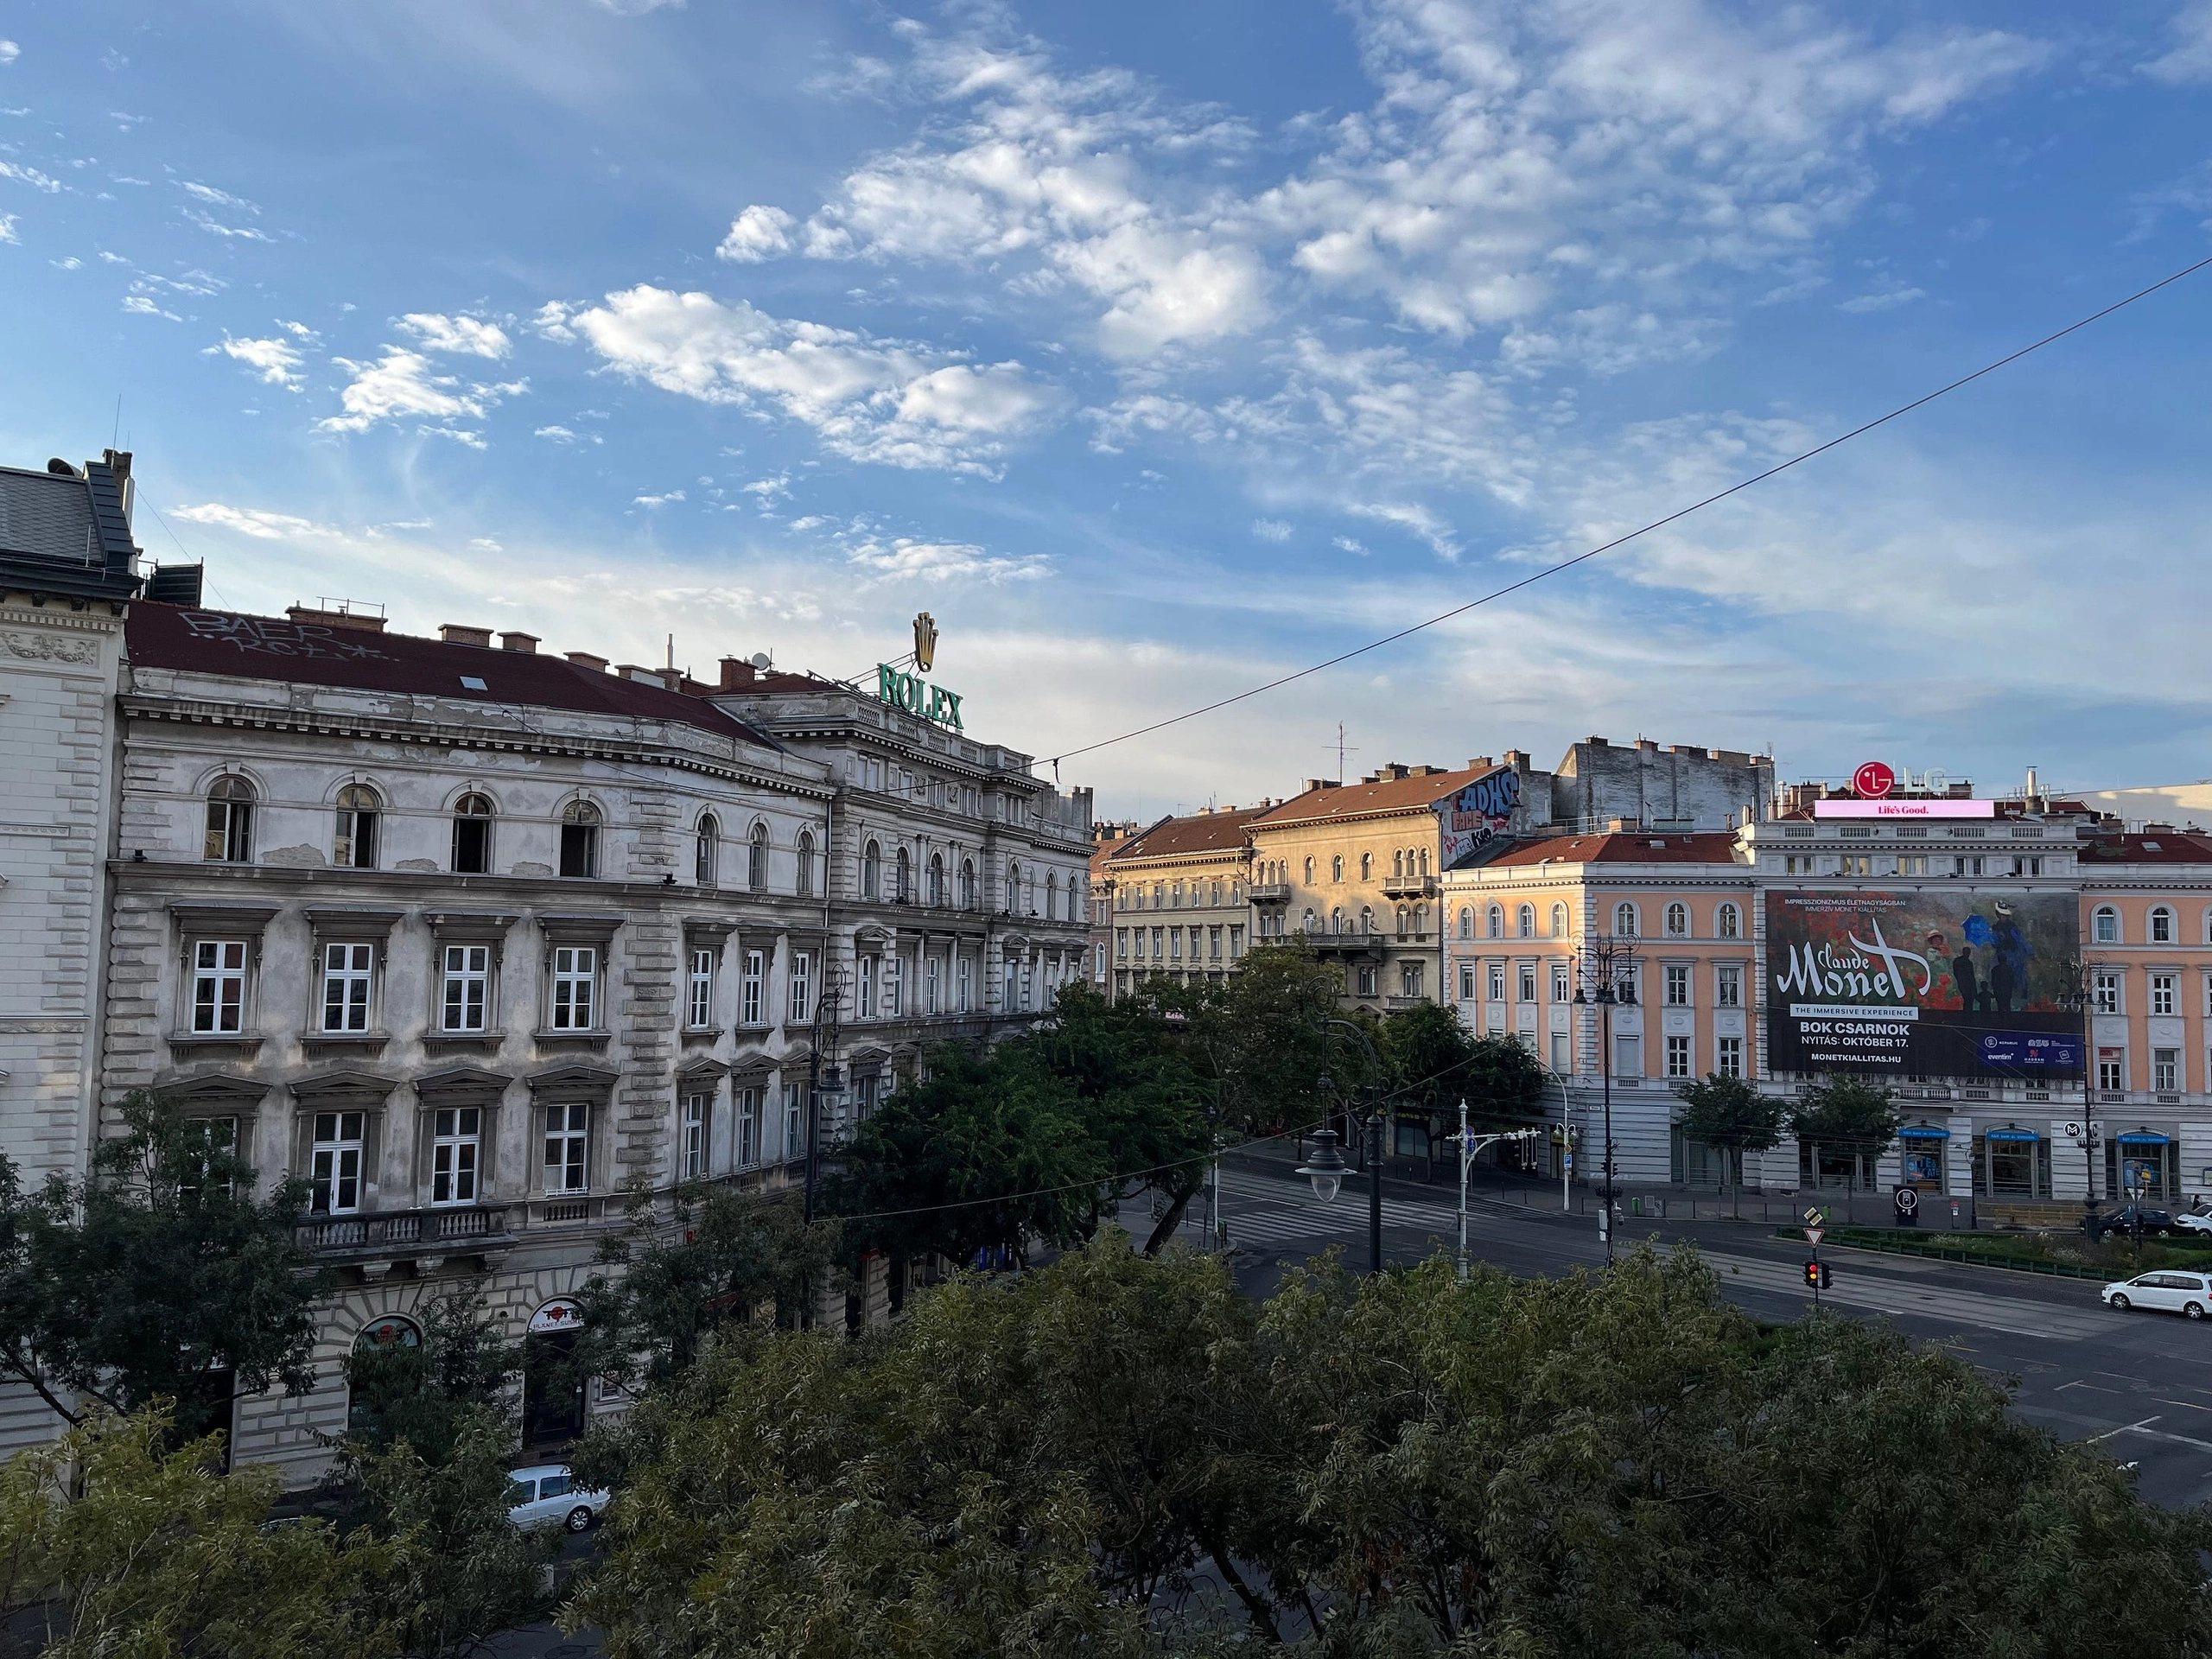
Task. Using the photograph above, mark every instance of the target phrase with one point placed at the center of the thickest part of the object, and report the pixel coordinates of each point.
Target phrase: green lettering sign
(918, 696)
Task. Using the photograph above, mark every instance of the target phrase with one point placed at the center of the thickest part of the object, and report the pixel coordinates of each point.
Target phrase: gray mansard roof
(65, 532)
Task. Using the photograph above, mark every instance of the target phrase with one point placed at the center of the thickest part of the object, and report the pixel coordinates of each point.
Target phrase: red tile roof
(1643, 847)
(311, 653)
(1201, 832)
(1383, 795)
(2153, 847)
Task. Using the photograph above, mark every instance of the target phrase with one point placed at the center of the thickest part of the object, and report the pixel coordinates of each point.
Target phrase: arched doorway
(552, 1386)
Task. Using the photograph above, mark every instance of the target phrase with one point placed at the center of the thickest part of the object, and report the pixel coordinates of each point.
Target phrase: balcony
(1270, 892)
(372, 1241)
(1409, 886)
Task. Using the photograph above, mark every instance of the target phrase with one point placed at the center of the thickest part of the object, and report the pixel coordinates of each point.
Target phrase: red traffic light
(1816, 1275)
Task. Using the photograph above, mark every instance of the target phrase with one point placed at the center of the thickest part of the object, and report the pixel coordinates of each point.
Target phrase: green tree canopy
(154, 1276)
(1269, 1040)
(1732, 1113)
(424, 1392)
(1843, 1110)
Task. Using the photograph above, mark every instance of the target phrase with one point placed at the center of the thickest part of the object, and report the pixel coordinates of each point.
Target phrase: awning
(2011, 1134)
(2143, 1138)
(1924, 1132)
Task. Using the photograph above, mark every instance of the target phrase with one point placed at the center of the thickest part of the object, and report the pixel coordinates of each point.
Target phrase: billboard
(1891, 808)
(1924, 984)
(1482, 811)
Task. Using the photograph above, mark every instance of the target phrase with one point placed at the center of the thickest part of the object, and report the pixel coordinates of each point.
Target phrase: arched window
(1366, 919)
(1424, 862)
(871, 871)
(1013, 888)
(1307, 926)
(1052, 893)
(803, 884)
(1309, 871)
(1497, 921)
(2104, 925)
(1524, 921)
(2161, 925)
(1401, 921)
(903, 873)
(966, 884)
(580, 839)
(1336, 867)
(1421, 921)
(705, 850)
(1625, 920)
(1559, 923)
(1728, 922)
(355, 845)
(1466, 921)
(389, 1350)
(1678, 921)
(937, 881)
(472, 836)
(1337, 920)
(1397, 864)
(756, 858)
(229, 822)
(1367, 866)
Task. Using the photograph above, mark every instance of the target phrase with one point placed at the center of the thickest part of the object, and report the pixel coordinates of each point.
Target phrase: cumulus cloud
(9, 52)
(404, 385)
(139, 305)
(564, 435)
(276, 361)
(464, 336)
(907, 559)
(758, 233)
(649, 502)
(869, 399)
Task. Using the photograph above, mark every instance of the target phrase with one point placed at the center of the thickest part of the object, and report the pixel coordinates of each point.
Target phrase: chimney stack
(456, 633)
(737, 674)
(585, 659)
(513, 640)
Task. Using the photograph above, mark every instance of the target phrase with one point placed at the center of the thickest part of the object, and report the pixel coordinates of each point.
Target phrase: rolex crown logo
(924, 642)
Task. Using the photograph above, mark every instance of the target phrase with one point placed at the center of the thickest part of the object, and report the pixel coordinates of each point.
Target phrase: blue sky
(1158, 349)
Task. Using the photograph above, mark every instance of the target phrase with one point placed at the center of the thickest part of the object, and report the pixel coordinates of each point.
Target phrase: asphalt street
(2136, 1383)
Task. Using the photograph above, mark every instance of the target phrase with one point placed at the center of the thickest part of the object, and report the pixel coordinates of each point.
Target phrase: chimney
(1647, 745)
(1597, 742)
(671, 677)
(329, 618)
(1518, 758)
(118, 462)
(513, 640)
(1479, 763)
(585, 659)
(1393, 770)
(638, 672)
(737, 674)
(1312, 783)
(454, 634)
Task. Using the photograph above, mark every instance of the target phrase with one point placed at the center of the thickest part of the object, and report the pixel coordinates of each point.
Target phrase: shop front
(2143, 1163)
(2012, 1163)
(552, 1386)
(1924, 1145)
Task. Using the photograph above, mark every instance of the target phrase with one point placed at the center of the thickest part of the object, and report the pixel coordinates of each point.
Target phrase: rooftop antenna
(1341, 750)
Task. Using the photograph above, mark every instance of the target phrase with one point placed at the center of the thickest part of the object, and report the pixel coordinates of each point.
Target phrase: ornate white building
(480, 940)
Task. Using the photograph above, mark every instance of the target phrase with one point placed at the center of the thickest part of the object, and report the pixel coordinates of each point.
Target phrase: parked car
(546, 1496)
(2173, 1293)
(2156, 1224)
(2194, 1221)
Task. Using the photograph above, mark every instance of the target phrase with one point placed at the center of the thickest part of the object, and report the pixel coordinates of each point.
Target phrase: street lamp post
(1603, 974)
(2077, 995)
(822, 1080)
(1371, 1124)
(1470, 1144)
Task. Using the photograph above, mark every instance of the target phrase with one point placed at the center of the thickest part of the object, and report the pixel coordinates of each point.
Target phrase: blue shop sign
(2031, 1048)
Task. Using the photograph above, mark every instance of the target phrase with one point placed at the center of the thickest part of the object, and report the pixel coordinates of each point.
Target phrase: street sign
(1908, 1203)
(1814, 1218)
(1815, 1235)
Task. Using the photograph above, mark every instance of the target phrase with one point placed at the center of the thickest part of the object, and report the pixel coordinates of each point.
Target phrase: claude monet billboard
(1938, 984)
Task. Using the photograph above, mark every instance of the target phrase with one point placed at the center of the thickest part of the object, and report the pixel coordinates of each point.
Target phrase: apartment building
(1178, 894)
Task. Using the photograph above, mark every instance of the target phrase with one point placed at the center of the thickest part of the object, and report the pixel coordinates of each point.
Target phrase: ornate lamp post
(1326, 1169)
(1605, 977)
(2077, 993)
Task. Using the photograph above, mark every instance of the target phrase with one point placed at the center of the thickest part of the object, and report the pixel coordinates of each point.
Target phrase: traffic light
(1816, 1275)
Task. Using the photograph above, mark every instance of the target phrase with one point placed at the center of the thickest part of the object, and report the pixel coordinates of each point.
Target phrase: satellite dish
(762, 659)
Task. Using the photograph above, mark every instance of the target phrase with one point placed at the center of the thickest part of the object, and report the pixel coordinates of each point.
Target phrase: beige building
(1179, 894)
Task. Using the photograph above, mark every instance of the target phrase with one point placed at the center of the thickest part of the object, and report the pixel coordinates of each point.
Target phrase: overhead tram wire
(1644, 530)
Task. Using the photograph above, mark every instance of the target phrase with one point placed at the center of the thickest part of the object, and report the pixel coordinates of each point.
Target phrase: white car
(2173, 1293)
(2189, 1221)
(545, 1496)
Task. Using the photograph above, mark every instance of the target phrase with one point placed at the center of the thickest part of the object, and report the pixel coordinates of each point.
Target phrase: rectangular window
(748, 1127)
(1627, 987)
(1628, 1056)
(346, 972)
(466, 975)
(576, 982)
(1678, 1057)
(2162, 994)
(1678, 986)
(794, 1122)
(1561, 1061)
(756, 974)
(703, 989)
(568, 1147)
(1367, 979)
(1916, 864)
(337, 1162)
(1562, 984)
(967, 999)
(1122, 944)
(1730, 1055)
(1213, 944)
(1158, 944)
(867, 977)
(1236, 944)
(219, 985)
(894, 986)
(695, 1135)
(457, 1145)
(1409, 978)
(1175, 943)
(1971, 865)
(801, 1000)
(2165, 1069)
(1727, 986)
(2104, 988)
(2112, 1069)
(1498, 981)
(1528, 982)
(936, 966)
(1466, 982)
(2027, 865)
(215, 1134)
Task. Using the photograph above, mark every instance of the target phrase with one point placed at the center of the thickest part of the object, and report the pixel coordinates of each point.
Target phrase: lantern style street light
(1605, 975)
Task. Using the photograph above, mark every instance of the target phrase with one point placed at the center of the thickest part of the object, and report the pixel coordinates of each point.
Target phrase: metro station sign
(918, 696)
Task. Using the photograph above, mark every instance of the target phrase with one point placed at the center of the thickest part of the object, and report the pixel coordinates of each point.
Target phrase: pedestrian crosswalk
(1861, 1288)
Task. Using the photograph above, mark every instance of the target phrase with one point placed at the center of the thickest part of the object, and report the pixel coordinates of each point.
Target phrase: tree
(161, 1275)
(667, 1284)
(117, 1541)
(990, 1150)
(1846, 1111)
(1269, 1041)
(1424, 1052)
(424, 1394)
(1729, 1113)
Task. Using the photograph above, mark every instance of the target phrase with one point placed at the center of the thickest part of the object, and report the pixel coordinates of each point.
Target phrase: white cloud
(299, 331)
(2190, 59)
(1888, 300)
(563, 434)
(72, 263)
(401, 385)
(758, 233)
(465, 336)
(30, 175)
(634, 7)
(649, 502)
(9, 52)
(907, 559)
(869, 399)
(249, 521)
(214, 227)
(1271, 529)
(276, 361)
(214, 198)
(139, 305)
(1415, 519)
(8, 228)
(1351, 545)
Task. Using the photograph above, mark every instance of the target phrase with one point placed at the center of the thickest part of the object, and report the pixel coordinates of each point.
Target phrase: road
(2137, 1383)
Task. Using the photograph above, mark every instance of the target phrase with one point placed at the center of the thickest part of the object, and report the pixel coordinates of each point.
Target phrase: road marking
(1949, 1305)
(2162, 1434)
(2186, 1405)
(2125, 1429)
(2078, 1383)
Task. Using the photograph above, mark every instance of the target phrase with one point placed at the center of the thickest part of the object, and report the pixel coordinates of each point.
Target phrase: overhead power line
(1643, 529)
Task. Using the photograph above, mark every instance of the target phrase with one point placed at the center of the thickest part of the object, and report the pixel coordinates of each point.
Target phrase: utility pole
(1607, 976)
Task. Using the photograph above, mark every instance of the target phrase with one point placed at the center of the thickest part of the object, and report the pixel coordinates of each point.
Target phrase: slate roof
(65, 532)
(2152, 847)
(1640, 847)
(1385, 795)
(1199, 832)
(310, 653)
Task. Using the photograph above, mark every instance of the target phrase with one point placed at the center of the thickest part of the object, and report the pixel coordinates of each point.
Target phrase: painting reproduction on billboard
(1939, 984)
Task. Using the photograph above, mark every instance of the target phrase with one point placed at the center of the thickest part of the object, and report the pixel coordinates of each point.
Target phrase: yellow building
(1179, 896)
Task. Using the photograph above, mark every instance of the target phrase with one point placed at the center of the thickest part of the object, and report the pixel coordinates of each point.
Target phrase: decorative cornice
(27, 616)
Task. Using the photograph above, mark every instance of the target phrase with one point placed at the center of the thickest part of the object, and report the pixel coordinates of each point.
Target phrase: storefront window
(2012, 1163)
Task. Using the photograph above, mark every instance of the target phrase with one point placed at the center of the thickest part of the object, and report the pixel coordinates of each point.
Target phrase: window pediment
(569, 929)
(203, 916)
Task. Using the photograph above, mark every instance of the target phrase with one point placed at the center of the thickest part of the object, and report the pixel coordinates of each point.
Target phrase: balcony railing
(1409, 886)
(386, 1232)
(1270, 892)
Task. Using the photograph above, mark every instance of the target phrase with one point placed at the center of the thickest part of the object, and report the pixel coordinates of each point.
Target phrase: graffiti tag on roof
(273, 639)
